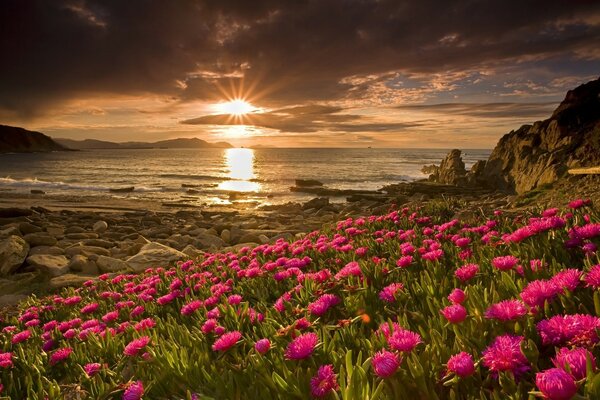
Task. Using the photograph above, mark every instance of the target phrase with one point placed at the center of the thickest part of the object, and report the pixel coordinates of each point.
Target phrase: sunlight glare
(240, 163)
(236, 107)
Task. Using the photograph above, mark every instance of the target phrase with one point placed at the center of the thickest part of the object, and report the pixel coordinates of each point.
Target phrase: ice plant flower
(21, 337)
(136, 346)
(388, 293)
(576, 329)
(505, 263)
(574, 361)
(592, 278)
(262, 346)
(404, 340)
(455, 313)
(92, 369)
(461, 364)
(324, 382)
(6, 360)
(322, 304)
(457, 296)
(227, 341)
(404, 261)
(537, 292)
(556, 384)
(134, 391)
(567, 279)
(466, 272)
(504, 354)
(507, 310)
(302, 346)
(60, 355)
(385, 363)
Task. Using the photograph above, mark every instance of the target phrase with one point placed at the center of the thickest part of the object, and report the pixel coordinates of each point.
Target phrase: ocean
(210, 176)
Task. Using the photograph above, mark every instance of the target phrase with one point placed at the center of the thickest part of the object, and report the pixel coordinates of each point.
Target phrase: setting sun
(236, 107)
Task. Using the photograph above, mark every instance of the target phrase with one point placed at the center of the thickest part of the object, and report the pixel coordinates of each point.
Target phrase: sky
(314, 73)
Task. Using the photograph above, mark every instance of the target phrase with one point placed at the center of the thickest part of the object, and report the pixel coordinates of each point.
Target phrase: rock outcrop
(538, 154)
(541, 153)
(19, 140)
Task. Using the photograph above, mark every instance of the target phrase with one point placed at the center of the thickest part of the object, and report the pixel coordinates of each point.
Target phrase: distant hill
(19, 140)
(180, 143)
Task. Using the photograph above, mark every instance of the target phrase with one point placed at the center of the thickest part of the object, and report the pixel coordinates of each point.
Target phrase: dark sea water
(211, 175)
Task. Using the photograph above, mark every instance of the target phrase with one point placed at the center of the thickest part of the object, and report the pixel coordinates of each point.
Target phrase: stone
(263, 239)
(192, 252)
(86, 250)
(54, 250)
(68, 280)
(74, 229)
(12, 299)
(83, 264)
(98, 243)
(40, 239)
(10, 231)
(14, 212)
(26, 227)
(155, 255)
(317, 203)
(100, 227)
(109, 264)
(51, 264)
(207, 241)
(55, 230)
(308, 183)
(250, 238)
(81, 235)
(13, 252)
(226, 235)
(452, 170)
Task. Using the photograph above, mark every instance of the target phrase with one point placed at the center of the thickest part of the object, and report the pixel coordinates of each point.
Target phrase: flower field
(408, 305)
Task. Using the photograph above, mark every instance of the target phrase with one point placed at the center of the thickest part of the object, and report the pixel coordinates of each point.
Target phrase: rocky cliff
(541, 153)
(19, 140)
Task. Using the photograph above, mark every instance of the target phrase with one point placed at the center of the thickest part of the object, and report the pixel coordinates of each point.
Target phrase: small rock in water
(37, 191)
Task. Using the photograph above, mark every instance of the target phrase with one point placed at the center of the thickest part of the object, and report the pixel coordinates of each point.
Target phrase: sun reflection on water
(240, 165)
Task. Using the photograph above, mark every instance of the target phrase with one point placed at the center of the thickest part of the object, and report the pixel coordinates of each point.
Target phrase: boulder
(9, 231)
(86, 250)
(54, 250)
(109, 264)
(13, 252)
(192, 252)
(154, 255)
(40, 239)
(51, 264)
(452, 170)
(83, 264)
(67, 280)
(317, 203)
(100, 227)
(12, 299)
(207, 241)
(26, 227)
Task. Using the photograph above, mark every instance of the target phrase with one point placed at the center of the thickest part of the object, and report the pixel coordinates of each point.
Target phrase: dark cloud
(280, 52)
(302, 119)
(486, 110)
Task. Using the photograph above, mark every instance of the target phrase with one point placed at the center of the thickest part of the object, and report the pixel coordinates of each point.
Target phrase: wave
(205, 177)
(28, 183)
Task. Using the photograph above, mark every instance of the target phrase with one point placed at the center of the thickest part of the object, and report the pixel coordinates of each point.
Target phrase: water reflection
(240, 165)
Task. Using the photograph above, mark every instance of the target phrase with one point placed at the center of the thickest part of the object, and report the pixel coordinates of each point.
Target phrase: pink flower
(556, 384)
(262, 346)
(322, 304)
(579, 203)
(209, 325)
(92, 369)
(567, 279)
(576, 329)
(537, 292)
(592, 278)
(134, 391)
(89, 308)
(505, 263)
(466, 272)
(433, 255)
(507, 310)
(136, 346)
(457, 296)
(324, 382)
(351, 269)
(302, 346)
(110, 316)
(234, 299)
(60, 355)
(504, 354)
(191, 307)
(389, 292)
(404, 261)
(404, 340)
(227, 341)
(21, 337)
(461, 364)
(455, 313)
(576, 361)
(6, 360)
(385, 363)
